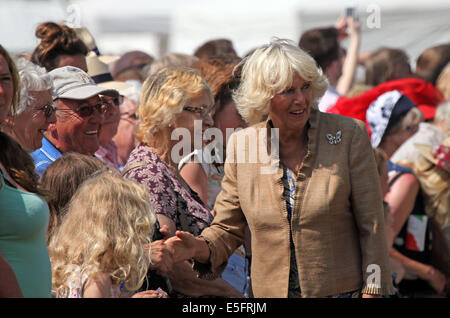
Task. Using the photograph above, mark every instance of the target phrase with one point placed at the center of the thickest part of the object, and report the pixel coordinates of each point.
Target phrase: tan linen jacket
(337, 221)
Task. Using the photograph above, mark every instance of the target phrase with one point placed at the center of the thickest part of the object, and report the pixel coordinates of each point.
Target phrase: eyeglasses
(116, 101)
(128, 115)
(87, 110)
(48, 110)
(203, 111)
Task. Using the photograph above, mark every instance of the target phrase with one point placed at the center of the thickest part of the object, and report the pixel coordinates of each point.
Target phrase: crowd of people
(275, 174)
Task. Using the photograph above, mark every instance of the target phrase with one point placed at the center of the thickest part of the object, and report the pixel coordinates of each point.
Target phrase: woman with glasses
(35, 112)
(24, 214)
(174, 113)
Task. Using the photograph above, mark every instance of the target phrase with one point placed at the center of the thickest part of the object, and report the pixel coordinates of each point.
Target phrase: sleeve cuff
(204, 270)
(374, 289)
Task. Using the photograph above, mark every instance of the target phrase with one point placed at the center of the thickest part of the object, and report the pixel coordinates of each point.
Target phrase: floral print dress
(168, 195)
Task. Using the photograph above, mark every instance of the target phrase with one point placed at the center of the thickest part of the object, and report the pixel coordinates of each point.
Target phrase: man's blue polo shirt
(44, 156)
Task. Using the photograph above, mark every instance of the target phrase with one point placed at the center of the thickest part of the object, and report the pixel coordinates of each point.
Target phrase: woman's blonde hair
(163, 96)
(268, 71)
(412, 118)
(443, 82)
(108, 221)
(434, 183)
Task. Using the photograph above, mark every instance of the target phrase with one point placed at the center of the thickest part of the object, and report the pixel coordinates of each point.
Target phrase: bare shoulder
(193, 168)
(406, 181)
(98, 286)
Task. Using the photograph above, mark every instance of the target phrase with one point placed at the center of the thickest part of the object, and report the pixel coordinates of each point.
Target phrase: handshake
(170, 250)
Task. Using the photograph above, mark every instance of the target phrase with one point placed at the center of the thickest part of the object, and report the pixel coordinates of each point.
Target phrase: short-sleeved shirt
(168, 196)
(44, 156)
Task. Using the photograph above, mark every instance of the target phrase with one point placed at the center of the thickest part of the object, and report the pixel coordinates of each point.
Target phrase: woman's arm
(432, 275)
(195, 176)
(401, 198)
(9, 287)
(350, 64)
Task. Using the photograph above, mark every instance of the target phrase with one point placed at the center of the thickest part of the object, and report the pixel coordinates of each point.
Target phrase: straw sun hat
(439, 156)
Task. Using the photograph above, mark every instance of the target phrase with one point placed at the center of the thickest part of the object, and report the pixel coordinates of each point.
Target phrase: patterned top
(294, 290)
(289, 196)
(168, 196)
(75, 286)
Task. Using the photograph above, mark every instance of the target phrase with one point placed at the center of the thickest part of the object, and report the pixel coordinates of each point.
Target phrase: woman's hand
(183, 244)
(354, 27)
(187, 246)
(161, 257)
(340, 25)
(436, 279)
(161, 254)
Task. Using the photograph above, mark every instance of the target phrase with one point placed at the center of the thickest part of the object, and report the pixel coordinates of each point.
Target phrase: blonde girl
(100, 248)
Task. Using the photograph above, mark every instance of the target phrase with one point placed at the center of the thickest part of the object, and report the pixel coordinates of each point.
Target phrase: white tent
(181, 26)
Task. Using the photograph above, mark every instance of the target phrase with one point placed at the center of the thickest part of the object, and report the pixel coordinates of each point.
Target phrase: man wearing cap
(79, 116)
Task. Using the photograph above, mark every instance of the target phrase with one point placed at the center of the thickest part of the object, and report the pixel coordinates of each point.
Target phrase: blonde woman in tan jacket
(306, 183)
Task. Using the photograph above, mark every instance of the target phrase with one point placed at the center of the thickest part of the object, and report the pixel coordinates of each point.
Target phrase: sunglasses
(48, 110)
(87, 110)
(203, 111)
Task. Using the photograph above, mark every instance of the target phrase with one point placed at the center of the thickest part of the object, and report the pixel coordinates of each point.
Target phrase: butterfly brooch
(333, 140)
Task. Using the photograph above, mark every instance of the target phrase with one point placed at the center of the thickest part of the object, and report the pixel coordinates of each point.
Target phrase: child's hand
(159, 293)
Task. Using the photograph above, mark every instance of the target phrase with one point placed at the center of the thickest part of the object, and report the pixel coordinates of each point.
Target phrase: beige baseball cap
(73, 83)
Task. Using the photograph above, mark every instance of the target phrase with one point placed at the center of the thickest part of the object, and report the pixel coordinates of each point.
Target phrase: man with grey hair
(35, 111)
(429, 133)
(79, 115)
